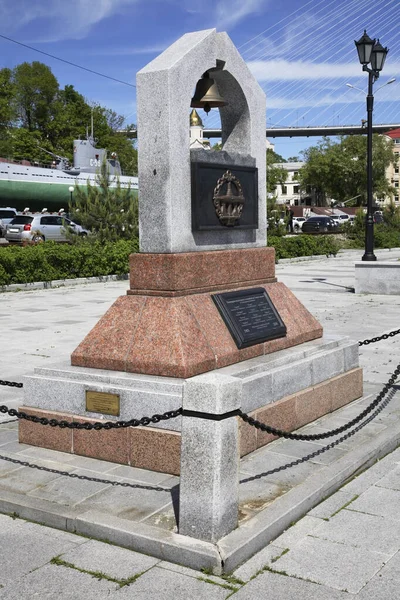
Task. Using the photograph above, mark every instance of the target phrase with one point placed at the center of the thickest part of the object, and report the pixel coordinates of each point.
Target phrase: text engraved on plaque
(250, 316)
(101, 402)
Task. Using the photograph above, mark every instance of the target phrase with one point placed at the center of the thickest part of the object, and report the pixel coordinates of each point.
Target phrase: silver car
(7, 214)
(41, 227)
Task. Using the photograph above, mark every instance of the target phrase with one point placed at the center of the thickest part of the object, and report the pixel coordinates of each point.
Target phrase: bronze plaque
(250, 316)
(224, 196)
(101, 402)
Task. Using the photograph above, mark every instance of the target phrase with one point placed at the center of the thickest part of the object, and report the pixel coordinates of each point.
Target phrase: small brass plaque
(101, 402)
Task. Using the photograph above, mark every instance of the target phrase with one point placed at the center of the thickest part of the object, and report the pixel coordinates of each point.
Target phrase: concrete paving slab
(362, 531)
(294, 534)
(118, 563)
(30, 546)
(278, 587)
(70, 492)
(377, 471)
(119, 502)
(297, 449)
(391, 480)
(26, 480)
(265, 460)
(386, 585)
(379, 501)
(54, 581)
(265, 558)
(160, 583)
(338, 566)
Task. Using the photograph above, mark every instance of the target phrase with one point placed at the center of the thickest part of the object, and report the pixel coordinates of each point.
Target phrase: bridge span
(275, 132)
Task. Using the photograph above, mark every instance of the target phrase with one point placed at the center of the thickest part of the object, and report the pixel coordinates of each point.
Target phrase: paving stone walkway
(346, 547)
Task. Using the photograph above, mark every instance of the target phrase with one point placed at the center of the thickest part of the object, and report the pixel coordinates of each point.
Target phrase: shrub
(50, 261)
(303, 245)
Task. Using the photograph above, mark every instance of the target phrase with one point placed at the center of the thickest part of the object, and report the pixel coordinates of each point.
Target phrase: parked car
(7, 214)
(41, 227)
(344, 218)
(336, 219)
(378, 217)
(298, 223)
(319, 224)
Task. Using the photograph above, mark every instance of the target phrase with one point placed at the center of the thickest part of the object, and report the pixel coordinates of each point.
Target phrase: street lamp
(71, 191)
(370, 52)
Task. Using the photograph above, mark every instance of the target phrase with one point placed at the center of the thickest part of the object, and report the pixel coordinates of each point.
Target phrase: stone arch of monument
(164, 91)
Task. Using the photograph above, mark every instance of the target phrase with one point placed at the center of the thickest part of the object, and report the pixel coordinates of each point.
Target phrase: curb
(56, 283)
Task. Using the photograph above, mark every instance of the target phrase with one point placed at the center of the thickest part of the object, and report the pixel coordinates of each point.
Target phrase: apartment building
(289, 193)
(393, 171)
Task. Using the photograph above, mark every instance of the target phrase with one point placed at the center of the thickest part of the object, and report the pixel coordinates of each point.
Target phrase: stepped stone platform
(286, 389)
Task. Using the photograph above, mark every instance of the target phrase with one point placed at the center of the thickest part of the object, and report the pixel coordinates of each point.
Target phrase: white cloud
(229, 13)
(283, 70)
(131, 50)
(222, 14)
(66, 19)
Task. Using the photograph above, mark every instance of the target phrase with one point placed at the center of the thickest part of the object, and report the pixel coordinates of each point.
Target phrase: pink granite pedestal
(168, 324)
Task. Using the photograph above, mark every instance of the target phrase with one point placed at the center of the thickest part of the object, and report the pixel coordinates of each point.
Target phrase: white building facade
(289, 192)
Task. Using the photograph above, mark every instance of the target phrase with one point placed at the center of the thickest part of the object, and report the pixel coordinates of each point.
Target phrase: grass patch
(96, 574)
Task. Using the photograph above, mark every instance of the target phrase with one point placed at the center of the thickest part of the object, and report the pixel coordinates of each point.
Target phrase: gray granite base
(377, 278)
(265, 379)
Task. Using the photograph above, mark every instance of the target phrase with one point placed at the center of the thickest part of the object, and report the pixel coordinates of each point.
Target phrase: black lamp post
(71, 191)
(370, 52)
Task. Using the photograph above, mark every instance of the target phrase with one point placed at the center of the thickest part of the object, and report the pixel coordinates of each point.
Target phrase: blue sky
(302, 52)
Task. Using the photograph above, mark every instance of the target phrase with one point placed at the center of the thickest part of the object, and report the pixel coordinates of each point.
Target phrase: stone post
(209, 488)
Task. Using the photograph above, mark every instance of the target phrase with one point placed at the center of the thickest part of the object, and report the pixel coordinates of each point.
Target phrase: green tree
(26, 144)
(275, 213)
(108, 211)
(338, 169)
(391, 215)
(7, 93)
(7, 110)
(275, 176)
(36, 91)
(273, 157)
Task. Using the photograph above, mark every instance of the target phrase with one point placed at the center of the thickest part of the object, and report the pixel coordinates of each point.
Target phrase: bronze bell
(207, 95)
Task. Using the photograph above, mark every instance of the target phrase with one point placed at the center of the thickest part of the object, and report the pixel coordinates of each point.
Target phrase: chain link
(385, 336)
(171, 414)
(11, 383)
(333, 432)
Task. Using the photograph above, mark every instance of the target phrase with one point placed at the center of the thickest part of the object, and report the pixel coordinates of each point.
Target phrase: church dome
(195, 120)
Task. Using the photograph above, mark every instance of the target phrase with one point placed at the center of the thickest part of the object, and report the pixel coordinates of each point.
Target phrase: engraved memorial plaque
(250, 316)
(101, 402)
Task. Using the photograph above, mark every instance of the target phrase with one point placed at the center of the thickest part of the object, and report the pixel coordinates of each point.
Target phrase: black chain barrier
(11, 383)
(333, 432)
(385, 336)
(171, 414)
(316, 453)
